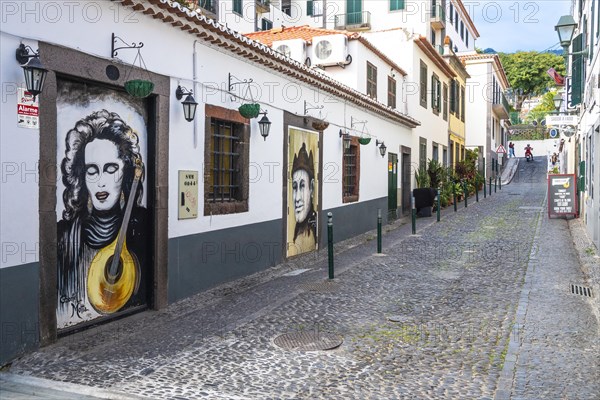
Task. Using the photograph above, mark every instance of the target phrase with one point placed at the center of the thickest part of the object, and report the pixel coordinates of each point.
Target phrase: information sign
(561, 195)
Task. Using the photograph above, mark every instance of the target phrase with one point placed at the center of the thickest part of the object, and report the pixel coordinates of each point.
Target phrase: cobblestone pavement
(473, 307)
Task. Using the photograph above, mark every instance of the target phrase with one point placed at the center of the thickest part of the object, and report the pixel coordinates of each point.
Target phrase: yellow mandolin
(114, 273)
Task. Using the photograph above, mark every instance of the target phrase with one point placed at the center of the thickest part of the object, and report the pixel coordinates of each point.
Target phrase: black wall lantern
(35, 73)
(381, 146)
(189, 104)
(264, 125)
(346, 138)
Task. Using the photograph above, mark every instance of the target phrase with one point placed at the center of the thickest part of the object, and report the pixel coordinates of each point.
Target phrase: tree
(526, 72)
(539, 112)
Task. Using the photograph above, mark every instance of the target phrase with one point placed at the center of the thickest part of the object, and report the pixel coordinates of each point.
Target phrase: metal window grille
(224, 179)
(350, 171)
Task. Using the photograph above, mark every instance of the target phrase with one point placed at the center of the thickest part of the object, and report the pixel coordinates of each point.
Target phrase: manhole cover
(308, 341)
(581, 290)
(325, 286)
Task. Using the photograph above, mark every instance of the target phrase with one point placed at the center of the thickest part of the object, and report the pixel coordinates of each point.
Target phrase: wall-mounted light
(381, 146)
(264, 125)
(35, 73)
(346, 139)
(189, 104)
(566, 28)
(558, 99)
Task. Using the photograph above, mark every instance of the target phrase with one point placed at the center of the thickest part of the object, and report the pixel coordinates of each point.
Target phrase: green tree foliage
(526, 72)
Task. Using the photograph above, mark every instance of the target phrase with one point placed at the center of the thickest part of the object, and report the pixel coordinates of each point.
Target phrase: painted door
(302, 225)
(354, 12)
(104, 229)
(392, 185)
(406, 181)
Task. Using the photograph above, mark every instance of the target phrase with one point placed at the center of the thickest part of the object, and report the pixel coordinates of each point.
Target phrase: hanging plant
(320, 125)
(249, 110)
(364, 140)
(139, 88)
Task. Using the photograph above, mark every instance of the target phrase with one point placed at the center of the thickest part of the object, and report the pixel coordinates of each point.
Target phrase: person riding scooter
(528, 153)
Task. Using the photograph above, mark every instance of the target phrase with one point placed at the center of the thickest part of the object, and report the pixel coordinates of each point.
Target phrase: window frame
(391, 93)
(435, 94)
(240, 129)
(422, 152)
(350, 197)
(397, 5)
(239, 9)
(371, 81)
(423, 83)
(445, 100)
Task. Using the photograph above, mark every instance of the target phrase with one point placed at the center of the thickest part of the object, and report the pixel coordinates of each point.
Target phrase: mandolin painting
(101, 237)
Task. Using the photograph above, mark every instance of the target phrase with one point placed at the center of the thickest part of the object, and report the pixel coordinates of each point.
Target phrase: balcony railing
(354, 21)
(438, 17)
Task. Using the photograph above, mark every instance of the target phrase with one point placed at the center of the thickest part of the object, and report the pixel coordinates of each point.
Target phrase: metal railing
(360, 19)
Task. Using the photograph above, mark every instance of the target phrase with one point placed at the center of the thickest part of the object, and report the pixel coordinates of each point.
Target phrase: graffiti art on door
(103, 235)
(302, 221)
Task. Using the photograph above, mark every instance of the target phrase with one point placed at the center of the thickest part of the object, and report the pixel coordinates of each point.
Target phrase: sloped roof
(218, 35)
(307, 33)
(465, 58)
(434, 56)
(468, 19)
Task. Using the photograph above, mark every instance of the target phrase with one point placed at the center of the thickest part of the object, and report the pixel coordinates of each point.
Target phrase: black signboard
(561, 195)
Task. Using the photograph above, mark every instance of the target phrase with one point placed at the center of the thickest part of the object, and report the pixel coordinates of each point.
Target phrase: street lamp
(264, 125)
(565, 27)
(558, 99)
(346, 139)
(382, 147)
(35, 73)
(189, 104)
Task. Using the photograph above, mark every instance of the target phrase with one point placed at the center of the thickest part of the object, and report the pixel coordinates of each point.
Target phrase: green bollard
(378, 230)
(495, 183)
(500, 183)
(414, 216)
(330, 242)
(490, 185)
(484, 188)
(477, 190)
(439, 205)
(454, 195)
(465, 192)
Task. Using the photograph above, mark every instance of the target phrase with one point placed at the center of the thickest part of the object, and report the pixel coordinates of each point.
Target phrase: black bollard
(330, 243)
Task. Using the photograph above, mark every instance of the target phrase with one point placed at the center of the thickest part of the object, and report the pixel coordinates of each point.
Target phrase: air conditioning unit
(330, 50)
(292, 48)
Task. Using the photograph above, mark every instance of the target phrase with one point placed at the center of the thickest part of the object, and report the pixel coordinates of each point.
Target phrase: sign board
(500, 150)
(561, 195)
(28, 110)
(188, 195)
(553, 132)
(554, 120)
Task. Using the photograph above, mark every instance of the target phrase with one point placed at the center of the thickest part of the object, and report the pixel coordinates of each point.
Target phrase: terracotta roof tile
(487, 57)
(296, 32)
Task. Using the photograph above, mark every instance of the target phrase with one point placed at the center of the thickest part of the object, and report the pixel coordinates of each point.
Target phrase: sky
(512, 25)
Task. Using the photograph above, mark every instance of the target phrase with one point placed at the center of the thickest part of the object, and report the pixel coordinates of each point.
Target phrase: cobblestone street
(478, 306)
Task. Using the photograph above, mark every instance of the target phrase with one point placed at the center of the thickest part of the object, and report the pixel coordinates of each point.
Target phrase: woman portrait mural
(302, 222)
(103, 232)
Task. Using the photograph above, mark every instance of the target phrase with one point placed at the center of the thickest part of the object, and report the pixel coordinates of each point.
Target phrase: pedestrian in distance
(511, 150)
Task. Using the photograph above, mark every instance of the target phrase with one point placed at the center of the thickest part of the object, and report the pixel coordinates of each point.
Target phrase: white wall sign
(553, 120)
(28, 111)
(188, 195)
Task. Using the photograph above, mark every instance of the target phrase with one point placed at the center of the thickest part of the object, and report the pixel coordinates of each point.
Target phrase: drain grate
(581, 290)
(323, 287)
(308, 341)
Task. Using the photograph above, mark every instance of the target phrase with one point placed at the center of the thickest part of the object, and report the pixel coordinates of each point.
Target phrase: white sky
(511, 25)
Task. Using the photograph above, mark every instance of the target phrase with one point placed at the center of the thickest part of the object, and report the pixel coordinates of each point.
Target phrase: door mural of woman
(302, 192)
(104, 234)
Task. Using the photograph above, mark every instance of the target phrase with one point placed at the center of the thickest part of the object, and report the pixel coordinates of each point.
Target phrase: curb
(35, 384)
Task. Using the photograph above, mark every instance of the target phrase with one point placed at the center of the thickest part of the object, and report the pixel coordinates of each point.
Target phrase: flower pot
(424, 199)
(249, 110)
(139, 88)
(364, 140)
(320, 125)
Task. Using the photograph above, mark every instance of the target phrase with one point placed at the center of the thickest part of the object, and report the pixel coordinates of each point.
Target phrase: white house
(92, 171)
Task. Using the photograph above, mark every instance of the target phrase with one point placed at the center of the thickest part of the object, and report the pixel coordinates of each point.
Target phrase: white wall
(478, 104)
(19, 156)
(19, 201)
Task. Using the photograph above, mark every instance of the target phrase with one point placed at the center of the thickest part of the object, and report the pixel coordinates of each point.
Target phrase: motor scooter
(528, 155)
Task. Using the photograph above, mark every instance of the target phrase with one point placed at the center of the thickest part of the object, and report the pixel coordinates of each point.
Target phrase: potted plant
(320, 125)
(424, 194)
(364, 140)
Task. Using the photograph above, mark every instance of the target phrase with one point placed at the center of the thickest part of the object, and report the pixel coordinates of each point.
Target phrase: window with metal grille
(422, 152)
(224, 177)
(435, 94)
(371, 80)
(423, 84)
(351, 172)
(391, 92)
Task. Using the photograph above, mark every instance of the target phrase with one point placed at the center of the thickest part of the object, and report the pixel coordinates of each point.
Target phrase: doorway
(406, 170)
(392, 186)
